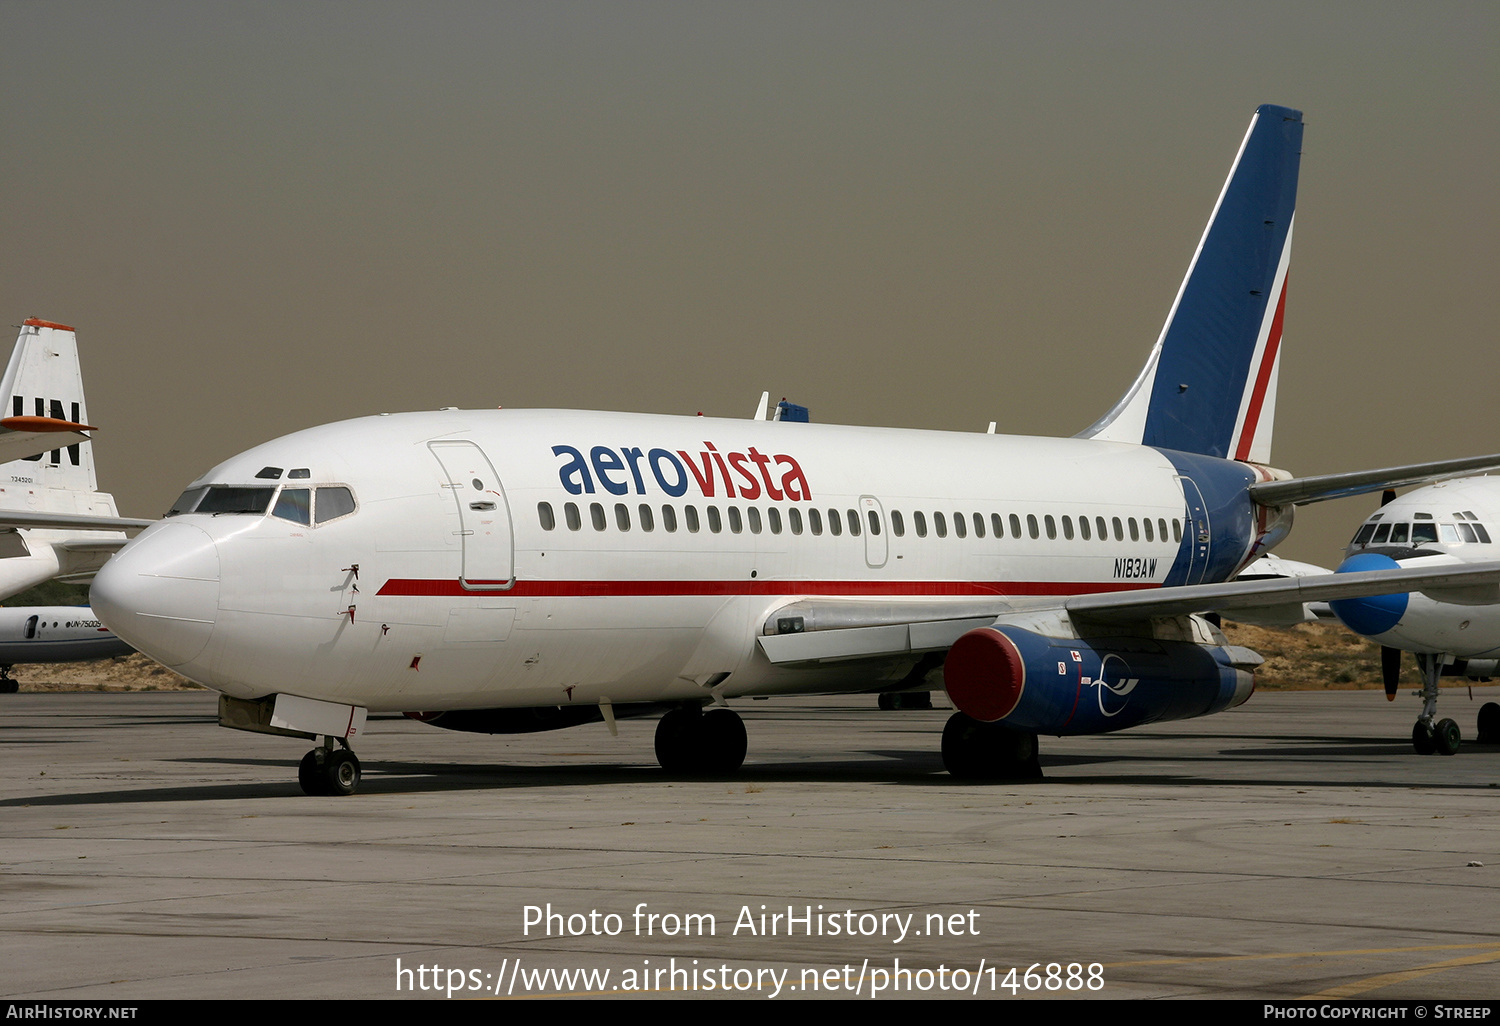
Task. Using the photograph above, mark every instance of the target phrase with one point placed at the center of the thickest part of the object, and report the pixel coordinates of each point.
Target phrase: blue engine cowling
(1068, 686)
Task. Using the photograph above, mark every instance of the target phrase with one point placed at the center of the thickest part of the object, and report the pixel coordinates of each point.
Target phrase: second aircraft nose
(161, 592)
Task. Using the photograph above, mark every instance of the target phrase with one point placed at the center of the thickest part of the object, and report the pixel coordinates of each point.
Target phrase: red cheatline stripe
(1262, 378)
(637, 589)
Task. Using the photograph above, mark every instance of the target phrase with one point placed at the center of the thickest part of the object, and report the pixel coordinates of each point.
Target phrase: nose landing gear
(329, 772)
(1427, 737)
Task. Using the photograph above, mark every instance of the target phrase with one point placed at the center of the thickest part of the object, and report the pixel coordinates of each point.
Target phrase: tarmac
(1292, 848)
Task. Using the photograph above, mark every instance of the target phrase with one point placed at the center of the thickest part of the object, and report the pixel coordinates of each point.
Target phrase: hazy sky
(264, 216)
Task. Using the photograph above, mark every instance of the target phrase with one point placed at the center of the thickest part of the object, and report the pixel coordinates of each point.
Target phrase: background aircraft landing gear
(691, 741)
(988, 751)
(8, 684)
(326, 771)
(1442, 737)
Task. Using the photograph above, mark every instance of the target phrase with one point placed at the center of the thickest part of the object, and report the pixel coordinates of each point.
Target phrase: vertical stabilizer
(42, 392)
(1209, 385)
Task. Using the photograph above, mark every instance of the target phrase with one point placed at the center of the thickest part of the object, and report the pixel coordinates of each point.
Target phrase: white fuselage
(504, 560)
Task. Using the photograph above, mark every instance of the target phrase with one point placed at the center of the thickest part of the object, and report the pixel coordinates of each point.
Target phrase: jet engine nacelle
(1068, 686)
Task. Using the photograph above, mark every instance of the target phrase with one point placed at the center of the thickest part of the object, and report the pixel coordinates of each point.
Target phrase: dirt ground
(1309, 657)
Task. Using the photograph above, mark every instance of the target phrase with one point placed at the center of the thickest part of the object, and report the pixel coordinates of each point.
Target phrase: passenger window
(735, 524)
(997, 525)
(898, 525)
(940, 525)
(920, 520)
(1176, 530)
(1102, 528)
(1083, 527)
(1161, 528)
(1031, 527)
(1119, 529)
(1051, 526)
(753, 516)
(596, 514)
(690, 513)
(773, 516)
(622, 516)
(715, 524)
(1135, 532)
(835, 525)
(669, 519)
(1067, 524)
(874, 523)
(815, 522)
(295, 504)
(1146, 523)
(794, 517)
(333, 503)
(543, 513)
(853, 519)
(1015, 526)
(570, 513)
(647, 521)
(959, 527)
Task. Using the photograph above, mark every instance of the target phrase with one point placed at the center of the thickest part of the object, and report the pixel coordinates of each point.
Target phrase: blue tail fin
(1209, 385)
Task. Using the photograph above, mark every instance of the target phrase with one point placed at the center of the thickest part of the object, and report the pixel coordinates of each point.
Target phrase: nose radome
(161, 592)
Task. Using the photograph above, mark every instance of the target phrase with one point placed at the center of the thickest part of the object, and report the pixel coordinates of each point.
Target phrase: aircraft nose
(161, 592)
(1372, 615)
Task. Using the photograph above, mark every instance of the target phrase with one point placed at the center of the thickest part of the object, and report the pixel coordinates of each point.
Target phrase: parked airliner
(1454, 631)
(514, 570)
(52, 634)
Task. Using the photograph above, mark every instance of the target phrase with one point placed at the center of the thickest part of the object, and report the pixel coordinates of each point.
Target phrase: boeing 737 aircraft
(1453, 631)
(515, 570)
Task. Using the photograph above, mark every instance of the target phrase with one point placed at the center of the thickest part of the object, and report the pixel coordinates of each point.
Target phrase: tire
(340, 773)
(1489, 724)
(988, 751)
(676, 733)
(310, 775)
(722, 742)
(1423, 738)
(1447, 737)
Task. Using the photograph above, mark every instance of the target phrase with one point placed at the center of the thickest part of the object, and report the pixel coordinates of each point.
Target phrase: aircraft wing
(10, 520)
(1299, 491)
(859, 629)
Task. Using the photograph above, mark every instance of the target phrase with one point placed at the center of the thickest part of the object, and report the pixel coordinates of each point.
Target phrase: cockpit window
(334, 503)
(187, 502)
(1364, 534)
(234, 499)
(1424, 533)
(294, 504)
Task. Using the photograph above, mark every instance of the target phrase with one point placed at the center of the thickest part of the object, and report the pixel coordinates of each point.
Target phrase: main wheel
(1489, 724)
(340, 773)
(722, 741)
(988, 751)
(1423, 738)
(676, 734)
(1446, 737)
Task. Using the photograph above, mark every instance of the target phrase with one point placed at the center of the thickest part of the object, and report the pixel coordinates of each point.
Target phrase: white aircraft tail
(42, 392)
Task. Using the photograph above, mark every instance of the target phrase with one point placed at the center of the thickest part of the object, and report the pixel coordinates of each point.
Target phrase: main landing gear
(691, 741)
(973, 750)
(328, 771)
(8, 684)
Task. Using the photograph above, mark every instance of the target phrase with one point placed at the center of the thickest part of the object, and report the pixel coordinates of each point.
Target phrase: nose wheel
(329, 772)
(1443, 736)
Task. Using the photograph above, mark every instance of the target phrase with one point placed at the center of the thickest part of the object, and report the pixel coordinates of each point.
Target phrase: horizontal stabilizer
(1299, 491)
